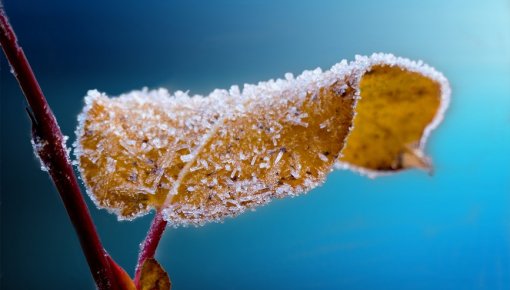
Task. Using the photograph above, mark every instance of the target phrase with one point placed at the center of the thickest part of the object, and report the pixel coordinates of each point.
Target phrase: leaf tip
(415, 158)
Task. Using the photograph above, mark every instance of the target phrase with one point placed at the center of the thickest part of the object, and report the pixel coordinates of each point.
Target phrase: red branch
(51, 149)
(150, 244)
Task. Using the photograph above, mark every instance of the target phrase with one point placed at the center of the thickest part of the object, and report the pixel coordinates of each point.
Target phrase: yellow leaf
(397, 109)
(201, 159)
(153, 276)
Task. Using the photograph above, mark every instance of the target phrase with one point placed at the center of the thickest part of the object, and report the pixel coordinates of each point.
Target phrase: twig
(50, 146)
(150, 244)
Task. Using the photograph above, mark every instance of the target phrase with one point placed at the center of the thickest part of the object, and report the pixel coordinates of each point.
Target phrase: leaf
(397, 109)
(201, 159)
(153, 276)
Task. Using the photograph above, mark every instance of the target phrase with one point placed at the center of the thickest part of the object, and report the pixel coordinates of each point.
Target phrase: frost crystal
(323, 157)
(38, 145)
(187, 157)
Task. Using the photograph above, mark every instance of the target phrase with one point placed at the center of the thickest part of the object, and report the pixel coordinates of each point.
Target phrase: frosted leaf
(202, 159)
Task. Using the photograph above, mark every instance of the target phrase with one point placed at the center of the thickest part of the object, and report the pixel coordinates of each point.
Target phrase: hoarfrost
(38, 145)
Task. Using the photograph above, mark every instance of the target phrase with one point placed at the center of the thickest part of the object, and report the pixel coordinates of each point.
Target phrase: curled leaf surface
(201, 159)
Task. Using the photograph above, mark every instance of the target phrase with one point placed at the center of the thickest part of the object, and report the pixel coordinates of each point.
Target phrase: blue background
(406, 231)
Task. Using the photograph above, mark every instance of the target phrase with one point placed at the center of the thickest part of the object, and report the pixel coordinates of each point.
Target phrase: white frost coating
(90, 98)
(135, 100)
(38, 146)
(236, 101)
(363, 64)
(68, 149)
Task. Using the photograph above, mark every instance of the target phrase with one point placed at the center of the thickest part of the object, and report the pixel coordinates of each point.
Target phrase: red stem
(54, 156)
(150, 244)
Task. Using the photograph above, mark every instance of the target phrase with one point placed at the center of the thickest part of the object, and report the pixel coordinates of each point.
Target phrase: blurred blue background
(406, 231)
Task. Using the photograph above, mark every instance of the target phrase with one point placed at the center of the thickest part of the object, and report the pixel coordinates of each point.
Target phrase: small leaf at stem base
(153, 276)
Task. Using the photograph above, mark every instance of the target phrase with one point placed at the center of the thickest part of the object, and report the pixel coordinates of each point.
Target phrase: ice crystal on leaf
(202, 159)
